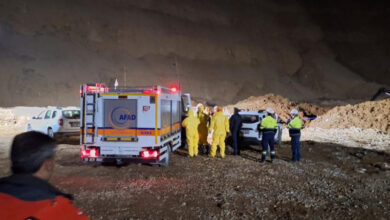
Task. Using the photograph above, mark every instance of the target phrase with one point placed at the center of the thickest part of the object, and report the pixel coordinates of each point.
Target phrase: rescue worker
(191, 123)
(295, 126)
(219, 126)
(203, 128)
(235, 127)
(27, 194)
(215, 110)
(268, 128)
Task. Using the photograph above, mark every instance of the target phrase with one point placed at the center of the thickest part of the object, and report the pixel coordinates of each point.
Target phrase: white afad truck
(128, 124)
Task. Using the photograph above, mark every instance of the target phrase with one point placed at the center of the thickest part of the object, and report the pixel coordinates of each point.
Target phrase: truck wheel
(166, 160)
(50, 132)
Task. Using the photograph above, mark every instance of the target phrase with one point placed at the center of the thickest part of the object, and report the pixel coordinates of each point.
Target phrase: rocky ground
(344, 174)
(331, 182)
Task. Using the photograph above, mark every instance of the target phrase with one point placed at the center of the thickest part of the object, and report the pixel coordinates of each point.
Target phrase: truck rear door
(120, 118)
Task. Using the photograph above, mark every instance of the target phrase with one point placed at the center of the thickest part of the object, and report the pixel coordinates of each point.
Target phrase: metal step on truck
(131, 124)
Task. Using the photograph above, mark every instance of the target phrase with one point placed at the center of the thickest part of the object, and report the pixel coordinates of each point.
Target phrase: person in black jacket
(235, 127)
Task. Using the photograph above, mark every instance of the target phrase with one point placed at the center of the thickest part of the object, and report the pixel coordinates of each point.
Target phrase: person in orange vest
(26, 194)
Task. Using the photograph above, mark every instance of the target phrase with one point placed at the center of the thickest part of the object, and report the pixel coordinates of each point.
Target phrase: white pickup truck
(56, 122)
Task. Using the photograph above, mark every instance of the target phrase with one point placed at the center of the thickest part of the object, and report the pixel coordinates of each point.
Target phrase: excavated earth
(331, 182)
(282, 106)
(373, 114)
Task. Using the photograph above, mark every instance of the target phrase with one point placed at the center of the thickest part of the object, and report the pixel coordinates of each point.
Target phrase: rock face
(358, 33)
(219, 50)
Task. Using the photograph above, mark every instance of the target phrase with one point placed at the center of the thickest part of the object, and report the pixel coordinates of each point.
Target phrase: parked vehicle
(127, 124)
(56, 122)
(250, 133)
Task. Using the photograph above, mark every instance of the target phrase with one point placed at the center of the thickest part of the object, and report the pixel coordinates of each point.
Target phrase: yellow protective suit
(220, 125)
(191, 124)
(203, 126)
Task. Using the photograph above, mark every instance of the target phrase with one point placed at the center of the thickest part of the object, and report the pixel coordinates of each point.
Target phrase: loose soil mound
(10, 123)
(279, 104)
(14, 120)
(375, 115)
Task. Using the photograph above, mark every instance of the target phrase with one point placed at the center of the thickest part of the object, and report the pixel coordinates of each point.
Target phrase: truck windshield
(248, 119)
(71, 114)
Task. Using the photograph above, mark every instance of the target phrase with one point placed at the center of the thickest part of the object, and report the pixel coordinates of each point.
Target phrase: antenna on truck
(116, 84)
(177, 72)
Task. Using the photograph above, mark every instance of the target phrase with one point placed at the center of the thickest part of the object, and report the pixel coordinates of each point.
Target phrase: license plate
(75, 124)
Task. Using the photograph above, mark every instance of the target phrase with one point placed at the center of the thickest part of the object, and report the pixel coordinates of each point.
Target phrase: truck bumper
(121, 159)
(66, 134)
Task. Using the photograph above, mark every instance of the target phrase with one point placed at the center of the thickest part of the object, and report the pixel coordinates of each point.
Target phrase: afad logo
(121, 118)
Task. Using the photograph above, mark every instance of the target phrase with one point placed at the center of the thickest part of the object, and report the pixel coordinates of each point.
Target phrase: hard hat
(294, 112)
(270, 110)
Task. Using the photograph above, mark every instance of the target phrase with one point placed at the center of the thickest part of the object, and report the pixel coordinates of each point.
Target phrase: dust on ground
(332, 181)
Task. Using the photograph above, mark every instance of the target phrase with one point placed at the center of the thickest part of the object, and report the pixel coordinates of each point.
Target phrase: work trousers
(295, 147)
(268, 141)
(236, 144)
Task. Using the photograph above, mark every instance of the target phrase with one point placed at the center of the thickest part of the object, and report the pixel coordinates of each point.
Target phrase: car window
(48, 114)
(249, 119)
(71, 114)
(54, 114)
(40, 116)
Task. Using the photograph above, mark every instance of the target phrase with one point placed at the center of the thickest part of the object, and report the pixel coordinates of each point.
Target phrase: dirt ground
(331, 182)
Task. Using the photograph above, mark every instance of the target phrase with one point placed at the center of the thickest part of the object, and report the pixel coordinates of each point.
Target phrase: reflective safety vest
(268, 123)
(296, 123)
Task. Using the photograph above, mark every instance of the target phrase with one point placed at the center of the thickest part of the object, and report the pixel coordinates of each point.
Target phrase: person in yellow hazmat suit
(202, 128)
(191, 123)
(219, 126)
